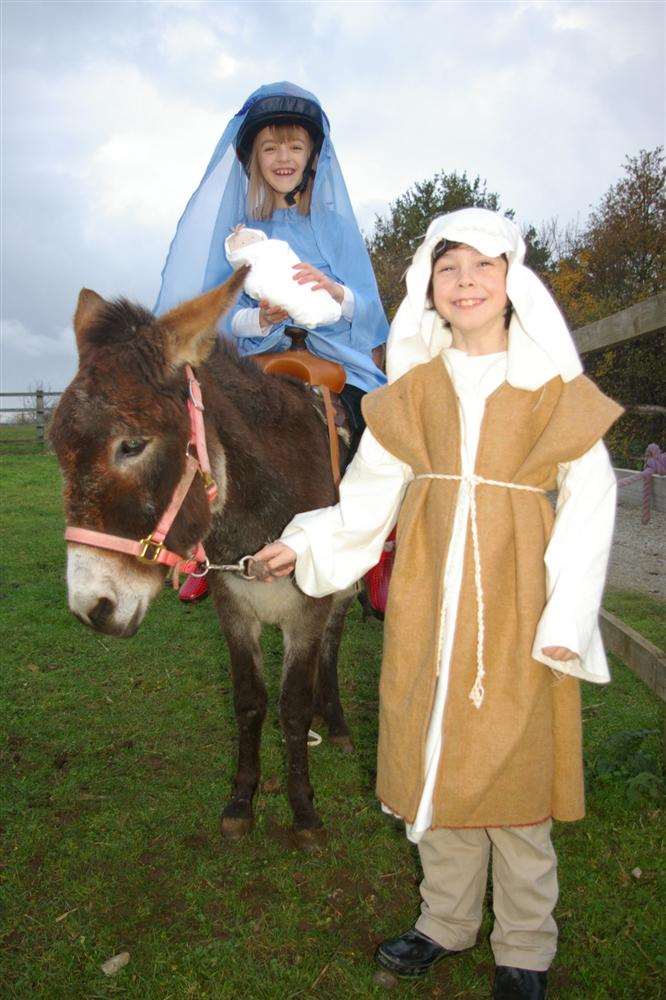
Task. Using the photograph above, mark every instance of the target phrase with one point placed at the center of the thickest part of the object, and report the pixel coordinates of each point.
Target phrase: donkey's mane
(259, 397)
(118, 322)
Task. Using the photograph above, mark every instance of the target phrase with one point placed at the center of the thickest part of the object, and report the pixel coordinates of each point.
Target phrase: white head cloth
(540, 345)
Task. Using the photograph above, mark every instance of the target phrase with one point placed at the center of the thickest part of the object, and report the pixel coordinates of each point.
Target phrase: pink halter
(151, 549)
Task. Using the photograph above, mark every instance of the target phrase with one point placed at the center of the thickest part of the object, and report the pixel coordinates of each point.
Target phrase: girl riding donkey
(492, 611)
(275, 169)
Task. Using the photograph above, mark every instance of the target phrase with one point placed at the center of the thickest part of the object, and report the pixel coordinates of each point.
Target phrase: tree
(396, 236)
(625, 234)
(619, 256)
(626, 262)
(539, 256)
(617, 259)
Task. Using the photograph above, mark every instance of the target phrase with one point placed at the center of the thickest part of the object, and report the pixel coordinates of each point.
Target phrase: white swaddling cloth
(272, 277)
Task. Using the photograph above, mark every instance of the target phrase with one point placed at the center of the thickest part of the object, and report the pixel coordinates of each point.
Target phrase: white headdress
(540, 345)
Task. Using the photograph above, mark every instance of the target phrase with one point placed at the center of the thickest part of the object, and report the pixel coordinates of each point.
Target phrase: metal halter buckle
(150, 550)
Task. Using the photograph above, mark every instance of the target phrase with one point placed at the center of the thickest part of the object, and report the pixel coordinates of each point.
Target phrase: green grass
(19, 439)
(116, 758)
(645, 614)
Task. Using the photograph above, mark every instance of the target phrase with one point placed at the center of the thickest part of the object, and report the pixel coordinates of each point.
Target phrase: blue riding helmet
(279, 109)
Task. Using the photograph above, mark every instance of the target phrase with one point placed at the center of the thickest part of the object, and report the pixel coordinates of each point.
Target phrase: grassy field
(19, 439)
(116, 757)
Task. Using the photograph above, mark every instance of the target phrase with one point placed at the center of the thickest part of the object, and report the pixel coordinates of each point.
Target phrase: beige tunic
(517, 759)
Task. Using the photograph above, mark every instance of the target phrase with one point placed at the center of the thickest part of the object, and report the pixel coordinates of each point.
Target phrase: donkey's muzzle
(102, 618)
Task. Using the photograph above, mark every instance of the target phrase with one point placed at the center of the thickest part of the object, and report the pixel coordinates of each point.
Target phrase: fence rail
(648, 316)
(39, 409)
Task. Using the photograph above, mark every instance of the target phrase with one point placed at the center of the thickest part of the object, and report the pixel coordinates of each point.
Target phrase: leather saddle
(326, 376)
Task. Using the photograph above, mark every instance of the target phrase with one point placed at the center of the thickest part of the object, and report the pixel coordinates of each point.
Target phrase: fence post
(39, 410)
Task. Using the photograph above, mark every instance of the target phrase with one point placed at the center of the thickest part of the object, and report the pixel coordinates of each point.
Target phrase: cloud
(185, 39)
(191, 40)
(143, 169)
(572, 20)
(21, 341)
(30, 358)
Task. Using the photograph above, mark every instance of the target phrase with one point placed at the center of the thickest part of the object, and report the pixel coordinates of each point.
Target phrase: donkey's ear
(191, 327)
(88, 309)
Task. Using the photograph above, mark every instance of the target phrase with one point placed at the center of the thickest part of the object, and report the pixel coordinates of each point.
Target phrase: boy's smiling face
(469, 290)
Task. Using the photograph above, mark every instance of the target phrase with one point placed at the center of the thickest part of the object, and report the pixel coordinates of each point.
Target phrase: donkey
(121, 435)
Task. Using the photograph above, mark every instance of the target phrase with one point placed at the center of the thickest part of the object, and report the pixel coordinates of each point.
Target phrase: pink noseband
(151, 549)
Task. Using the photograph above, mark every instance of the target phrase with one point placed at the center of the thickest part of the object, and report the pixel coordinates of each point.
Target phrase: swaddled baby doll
(272, 278)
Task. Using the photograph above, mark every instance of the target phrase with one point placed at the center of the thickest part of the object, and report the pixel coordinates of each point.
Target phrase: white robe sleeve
(576, 561)
(335, 546)
(347, 304)
(246, 323)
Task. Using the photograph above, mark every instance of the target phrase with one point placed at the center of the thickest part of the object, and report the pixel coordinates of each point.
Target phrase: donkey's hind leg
(327, 695)
(242, 635)
(302, 641)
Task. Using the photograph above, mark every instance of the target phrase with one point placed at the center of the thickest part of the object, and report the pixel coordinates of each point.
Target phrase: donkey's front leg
(301, 652)
(250, 706)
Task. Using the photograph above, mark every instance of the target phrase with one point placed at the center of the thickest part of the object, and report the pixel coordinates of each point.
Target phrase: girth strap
(333, 440)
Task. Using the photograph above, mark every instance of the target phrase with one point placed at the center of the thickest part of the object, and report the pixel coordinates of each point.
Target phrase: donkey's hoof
(343, 743)
(235, 827)
(311, 840)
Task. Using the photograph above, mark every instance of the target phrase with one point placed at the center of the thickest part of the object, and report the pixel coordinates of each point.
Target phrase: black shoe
(519, 984)
(411, 954)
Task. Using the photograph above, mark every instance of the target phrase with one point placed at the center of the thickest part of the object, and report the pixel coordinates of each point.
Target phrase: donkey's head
(121, 433)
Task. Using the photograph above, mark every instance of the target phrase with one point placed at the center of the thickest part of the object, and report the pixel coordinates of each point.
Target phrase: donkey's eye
(131, 447)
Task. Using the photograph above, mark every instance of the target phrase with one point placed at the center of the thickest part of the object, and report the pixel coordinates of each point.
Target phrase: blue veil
(196, 260)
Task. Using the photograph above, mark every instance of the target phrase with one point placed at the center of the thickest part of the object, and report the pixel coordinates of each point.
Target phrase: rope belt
(471, 481)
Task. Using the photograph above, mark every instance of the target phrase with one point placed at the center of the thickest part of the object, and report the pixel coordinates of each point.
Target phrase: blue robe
(334, 342)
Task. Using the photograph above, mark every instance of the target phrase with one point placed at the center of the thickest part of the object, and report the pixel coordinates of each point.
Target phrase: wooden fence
(37, 413)
(645, 317)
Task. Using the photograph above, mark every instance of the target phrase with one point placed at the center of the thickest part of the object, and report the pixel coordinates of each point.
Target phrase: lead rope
(471, 481)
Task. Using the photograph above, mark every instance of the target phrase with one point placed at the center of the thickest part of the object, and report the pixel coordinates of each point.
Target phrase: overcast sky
(111, 111)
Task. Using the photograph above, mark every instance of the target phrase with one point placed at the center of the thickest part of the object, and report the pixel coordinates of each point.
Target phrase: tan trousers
(455, 870)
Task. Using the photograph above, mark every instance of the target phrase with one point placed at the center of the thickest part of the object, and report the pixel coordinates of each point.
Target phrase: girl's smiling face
(282, 156)
(469, 290)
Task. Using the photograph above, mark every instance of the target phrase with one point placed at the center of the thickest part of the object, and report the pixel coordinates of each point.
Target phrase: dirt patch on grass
(151, 910)
(35, 862)
(217, 912)
(198, 841)
(259, 895)
(66, 817)
(13, 942)
(281, 835)
(154, 762)
(114, 748)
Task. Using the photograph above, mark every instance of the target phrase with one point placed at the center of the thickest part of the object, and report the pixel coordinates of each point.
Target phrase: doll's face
(469, 289)
(243, 237)
(282, 155)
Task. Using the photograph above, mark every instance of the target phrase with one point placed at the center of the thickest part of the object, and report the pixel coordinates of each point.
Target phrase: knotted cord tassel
(477, 692)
